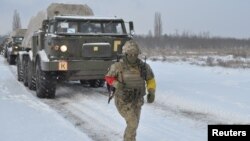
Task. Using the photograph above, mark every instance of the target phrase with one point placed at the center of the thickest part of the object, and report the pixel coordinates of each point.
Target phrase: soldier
(128, 77)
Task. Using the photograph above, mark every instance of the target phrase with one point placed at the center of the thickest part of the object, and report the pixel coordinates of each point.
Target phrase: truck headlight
(63, 48)
(16, 47)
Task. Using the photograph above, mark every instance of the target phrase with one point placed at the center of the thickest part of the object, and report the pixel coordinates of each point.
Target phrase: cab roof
(88, 18)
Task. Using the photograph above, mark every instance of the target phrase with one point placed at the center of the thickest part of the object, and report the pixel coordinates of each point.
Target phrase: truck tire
(102, 82)
(84, 82)
(11, 59)
(5, 52)
(19, 70)
(25, 71)
(45, 83)
(30, 76)
(96, 83)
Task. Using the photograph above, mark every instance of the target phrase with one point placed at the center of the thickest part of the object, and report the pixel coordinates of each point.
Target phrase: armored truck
(14, 45)
(71, 48)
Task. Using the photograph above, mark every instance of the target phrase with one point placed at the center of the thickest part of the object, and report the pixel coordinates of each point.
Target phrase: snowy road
(23, 117)
(188, 98)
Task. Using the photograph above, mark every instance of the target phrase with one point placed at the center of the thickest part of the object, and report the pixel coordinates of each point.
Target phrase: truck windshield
(91, 27)
(18, 39)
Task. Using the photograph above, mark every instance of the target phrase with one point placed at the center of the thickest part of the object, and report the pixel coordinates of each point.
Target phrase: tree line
(186, 42)
(191, 42)
(173, 44)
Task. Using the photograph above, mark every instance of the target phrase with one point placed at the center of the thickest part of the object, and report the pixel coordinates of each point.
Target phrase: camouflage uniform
(132, 78)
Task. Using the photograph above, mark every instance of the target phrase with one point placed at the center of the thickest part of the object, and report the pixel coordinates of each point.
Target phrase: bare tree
(16, 23)
(158, 25)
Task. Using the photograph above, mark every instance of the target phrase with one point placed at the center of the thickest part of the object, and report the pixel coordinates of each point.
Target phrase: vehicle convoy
(14, 45)
(3, 46)
(69, 45)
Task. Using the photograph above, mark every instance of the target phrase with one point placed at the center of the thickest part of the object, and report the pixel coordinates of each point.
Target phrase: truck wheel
(45, 83)
(11, 59)
(19, 71)
(31, 79)
(101, 84)
(8, 58)
(83, 82)
(96, 83)
(25, 72)
(5, 52)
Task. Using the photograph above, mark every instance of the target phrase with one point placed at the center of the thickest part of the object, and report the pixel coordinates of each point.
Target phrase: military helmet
(131, 47)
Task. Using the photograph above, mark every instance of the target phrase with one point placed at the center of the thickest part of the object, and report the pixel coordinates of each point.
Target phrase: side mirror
(45, 25)
(131, 25)
(131, 28)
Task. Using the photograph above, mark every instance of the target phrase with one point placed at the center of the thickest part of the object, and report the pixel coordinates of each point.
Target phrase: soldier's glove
(118, 85)
(151, 96)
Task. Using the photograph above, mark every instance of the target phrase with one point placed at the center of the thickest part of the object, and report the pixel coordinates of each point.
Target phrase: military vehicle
(70, 47)
(2, 48)
(14, 45)
(3, 45)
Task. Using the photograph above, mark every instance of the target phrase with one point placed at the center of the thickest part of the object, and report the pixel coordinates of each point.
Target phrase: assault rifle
(111, 91)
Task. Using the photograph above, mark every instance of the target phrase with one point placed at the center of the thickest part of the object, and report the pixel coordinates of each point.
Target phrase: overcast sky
(225, 18)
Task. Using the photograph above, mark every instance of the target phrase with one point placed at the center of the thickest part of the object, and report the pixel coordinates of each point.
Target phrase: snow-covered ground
(188, 98)
(23, 117)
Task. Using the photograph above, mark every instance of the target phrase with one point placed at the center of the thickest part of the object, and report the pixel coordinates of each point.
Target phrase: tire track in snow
(83, 107)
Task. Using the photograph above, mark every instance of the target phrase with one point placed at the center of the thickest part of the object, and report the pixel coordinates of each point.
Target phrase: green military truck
(5, 40)
(71, 48)
(14, 45)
